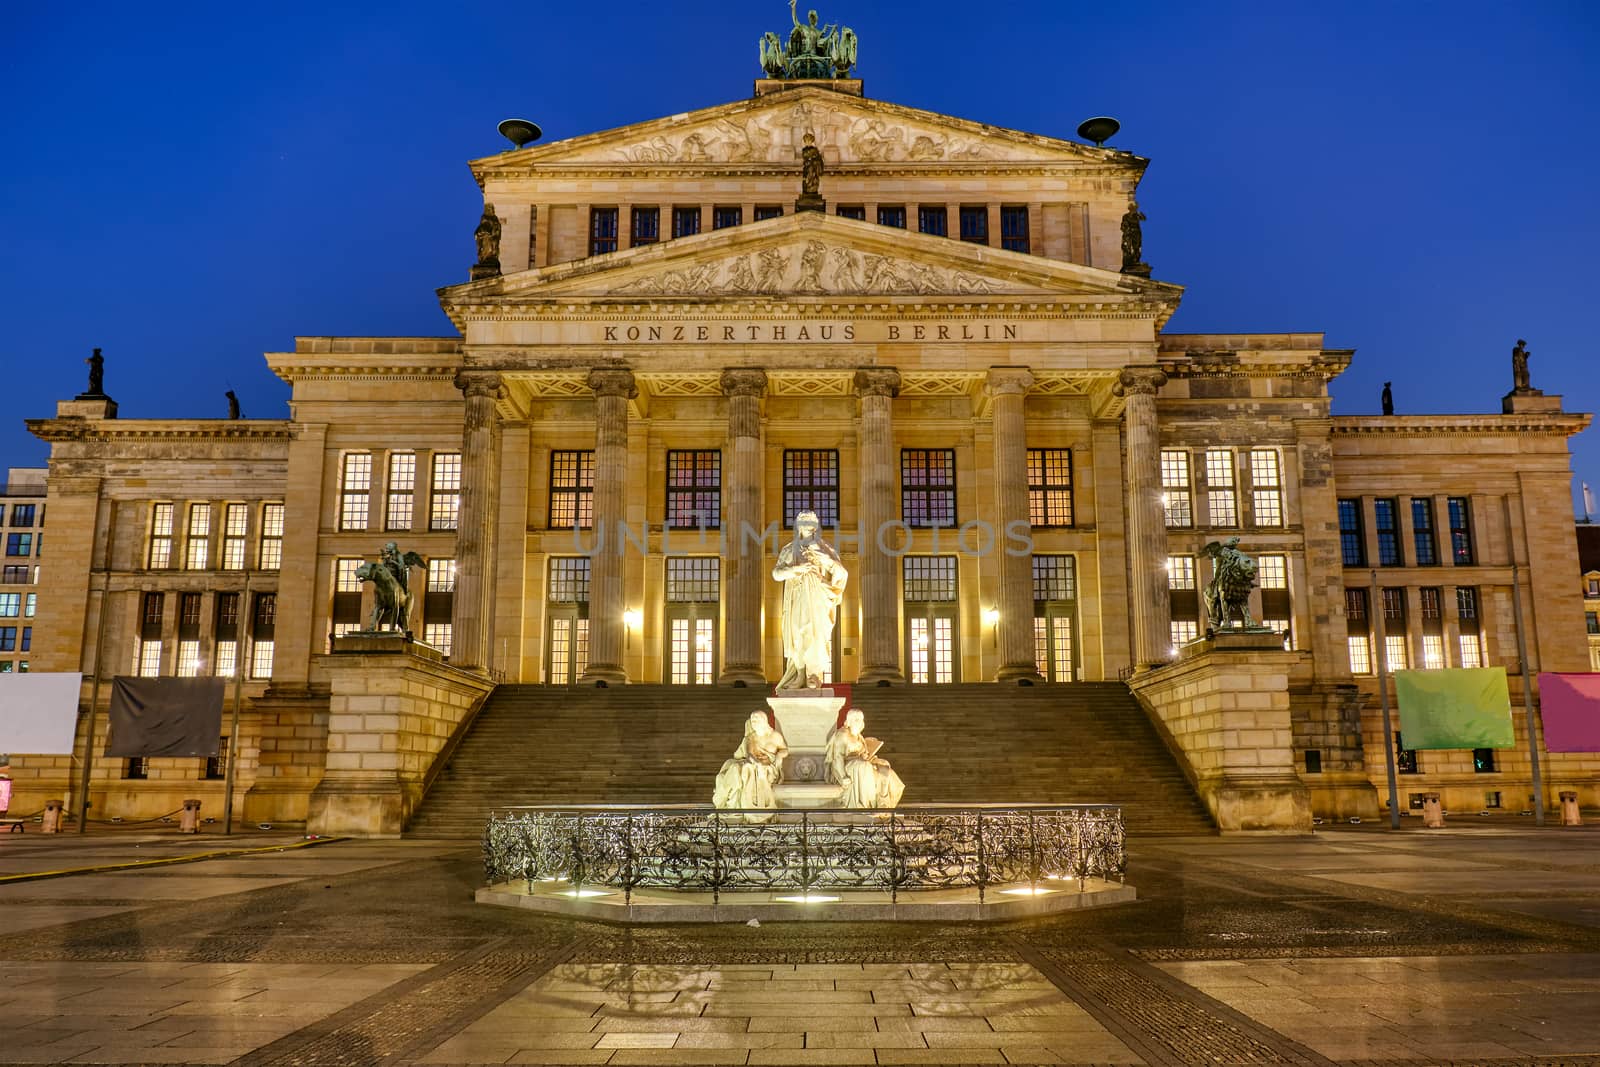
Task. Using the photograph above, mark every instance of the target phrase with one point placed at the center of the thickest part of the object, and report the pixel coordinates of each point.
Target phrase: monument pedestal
(805, 717)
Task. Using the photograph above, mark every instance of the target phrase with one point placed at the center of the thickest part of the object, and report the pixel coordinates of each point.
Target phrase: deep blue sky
(190, 186)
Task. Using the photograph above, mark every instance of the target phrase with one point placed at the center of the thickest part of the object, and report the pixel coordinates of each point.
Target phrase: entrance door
(1055, 617)
(932, 649)
(567, 620)
(694, 600)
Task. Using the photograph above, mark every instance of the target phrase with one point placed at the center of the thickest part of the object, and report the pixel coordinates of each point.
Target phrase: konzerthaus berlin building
(958, 364)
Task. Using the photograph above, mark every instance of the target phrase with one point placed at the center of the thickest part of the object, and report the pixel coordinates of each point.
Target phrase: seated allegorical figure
(865, 780)
(746, 780)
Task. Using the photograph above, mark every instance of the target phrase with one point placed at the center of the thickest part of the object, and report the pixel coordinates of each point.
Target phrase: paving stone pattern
(1352, 947)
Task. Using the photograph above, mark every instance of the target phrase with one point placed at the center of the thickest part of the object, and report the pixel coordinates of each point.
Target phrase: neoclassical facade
(959, 365)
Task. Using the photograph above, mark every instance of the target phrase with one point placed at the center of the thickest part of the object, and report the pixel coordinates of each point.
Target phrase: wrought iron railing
(704, 849)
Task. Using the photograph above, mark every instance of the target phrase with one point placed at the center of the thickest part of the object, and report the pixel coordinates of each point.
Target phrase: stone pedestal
(1432, 811)
(1529, 402)
(1569, 808)
(1223, 707)
(805, 717)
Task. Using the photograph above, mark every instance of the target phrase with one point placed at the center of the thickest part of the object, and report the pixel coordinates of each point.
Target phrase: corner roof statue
(815, 50)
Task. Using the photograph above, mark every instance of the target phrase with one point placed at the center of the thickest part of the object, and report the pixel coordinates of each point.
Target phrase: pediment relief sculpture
(815, 267)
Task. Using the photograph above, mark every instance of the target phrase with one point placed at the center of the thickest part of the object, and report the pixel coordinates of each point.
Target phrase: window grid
(1471, 650)
(226, 659)
(1351, 543)
(344, 575)
(975, 224)
(1430, 604)
(188, 659)
(355, 488)
(441, 576)
(437, 634)
(1424, 546)
(1433, 652)
(1050, 486)
(261, 659)
(685, 221)
(10, 605)
(1266, 495)
(1272, 572)
(723, 218)
(929, 578)
(811, 483)
(694, 579)
(148, 664)
(852, 211)
(1180, 572)
(928, 486)
(1184, 631)
(1395, 656)
(1466, 602)
(400, 508)
(571, 490)
(445, 498)
(892, 215)
(932, 651)
(1014, 228)
(1054, 578)
(602, 230)
(569, 580)
(768, 211)
(1394, 605)
(934, 221)
(693, 646)
(271, 536)
(694, 489)
(1384, 513)
(1222, 500)
(197, 545)
(1175, 492)
(1460, 509)
(160, 536)
(235, 525)
(1360, 654)
(646, 226)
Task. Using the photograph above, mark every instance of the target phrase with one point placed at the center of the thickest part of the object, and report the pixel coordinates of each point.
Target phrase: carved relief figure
(811, 265)
(883, 276)
(844, 278)
(963, 282)
(773, 262)
(741, 279)
(694, 149)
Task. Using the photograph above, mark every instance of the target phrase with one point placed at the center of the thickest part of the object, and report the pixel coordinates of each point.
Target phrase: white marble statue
(865, 780)
(746, 780)
(813, 582)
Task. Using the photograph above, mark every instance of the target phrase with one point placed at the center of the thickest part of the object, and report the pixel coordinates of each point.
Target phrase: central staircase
(655, 744)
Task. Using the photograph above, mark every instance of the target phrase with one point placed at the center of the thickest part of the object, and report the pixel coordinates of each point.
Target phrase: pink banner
(1570, 707)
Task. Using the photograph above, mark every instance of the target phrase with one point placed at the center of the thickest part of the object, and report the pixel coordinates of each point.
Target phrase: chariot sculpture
(814, 50)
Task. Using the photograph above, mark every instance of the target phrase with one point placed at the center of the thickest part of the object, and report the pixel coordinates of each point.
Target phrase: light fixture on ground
(808, 898)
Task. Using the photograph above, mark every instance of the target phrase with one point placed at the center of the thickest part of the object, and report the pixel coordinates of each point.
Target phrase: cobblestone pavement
(1477, 944)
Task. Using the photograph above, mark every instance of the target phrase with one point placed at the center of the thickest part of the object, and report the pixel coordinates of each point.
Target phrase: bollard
(189, 823)
(52, 817)
(1569, 808)
(1432, 813)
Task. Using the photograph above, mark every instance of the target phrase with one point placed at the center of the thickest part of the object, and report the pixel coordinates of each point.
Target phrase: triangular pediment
(770, 129)
(812, 254)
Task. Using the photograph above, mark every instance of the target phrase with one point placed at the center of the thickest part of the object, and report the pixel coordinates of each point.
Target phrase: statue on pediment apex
(815, 50)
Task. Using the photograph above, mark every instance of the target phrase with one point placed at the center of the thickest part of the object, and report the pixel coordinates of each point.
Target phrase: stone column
(880, 612)
(1147, 528)
(613, 388)
(1007, 386)
(475, 524)
(745, 562)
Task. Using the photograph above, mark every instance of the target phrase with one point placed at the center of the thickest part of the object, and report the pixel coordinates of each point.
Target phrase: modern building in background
(22, 505)
(960, 365)
(1589, 563)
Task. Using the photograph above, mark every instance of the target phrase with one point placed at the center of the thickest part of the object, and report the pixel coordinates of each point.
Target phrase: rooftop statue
(97, 375)
(814, 51)
(1519, 367)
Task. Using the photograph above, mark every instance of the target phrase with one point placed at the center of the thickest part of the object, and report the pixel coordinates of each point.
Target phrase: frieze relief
(819, 268)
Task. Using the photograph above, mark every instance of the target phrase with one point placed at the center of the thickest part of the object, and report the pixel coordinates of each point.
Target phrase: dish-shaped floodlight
(1099, 129)
(522, 133)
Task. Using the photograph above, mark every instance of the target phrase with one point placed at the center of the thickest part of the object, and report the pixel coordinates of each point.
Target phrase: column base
(743, 674)
(1019, 674)
(604, 674)
(881, 676)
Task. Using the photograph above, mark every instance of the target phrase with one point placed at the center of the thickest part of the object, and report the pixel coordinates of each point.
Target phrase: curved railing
(699, 848)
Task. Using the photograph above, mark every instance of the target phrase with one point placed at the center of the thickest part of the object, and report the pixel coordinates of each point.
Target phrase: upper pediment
(770, 129)
(812, 254)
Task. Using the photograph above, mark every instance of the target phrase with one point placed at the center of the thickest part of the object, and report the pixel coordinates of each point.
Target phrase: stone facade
(22, 512)
(948, 364)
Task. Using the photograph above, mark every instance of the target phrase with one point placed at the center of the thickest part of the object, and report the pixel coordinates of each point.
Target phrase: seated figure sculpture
(865, 780)
(746, 780)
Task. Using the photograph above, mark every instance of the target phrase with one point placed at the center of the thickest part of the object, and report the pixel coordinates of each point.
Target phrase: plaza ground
(1479, 943)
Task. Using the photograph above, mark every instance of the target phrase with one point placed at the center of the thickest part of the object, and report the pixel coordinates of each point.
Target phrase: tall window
(1396, 643)
(1423, 542)
(811, 483)
(934, 221)
(694, 489)
(692, 630)
(445, 498)
(235, 525)
(346, 596)
(1054, 599)
(892, 215)
(1359, 627)
(197, 548)
(602, 230)
(1352, 541)
(975, 224)
(571, 490)
(1014, 228)
(355, 488)
(227, 635)
(1050, 486)
(1176, 498)
(685, 221)
(271, 536)
(1184, 596)
(1272, 575)
(402, 489)
(160, 537)
(152, 608)
(263, 629)
(1432, 629)
(1266, 487)
(768, 211)
(646, 226)
(1385, 513)
(1221, 498)
(928, 486)
(723, 218)
(1460, 529)
(1471, 634)
(928, 582)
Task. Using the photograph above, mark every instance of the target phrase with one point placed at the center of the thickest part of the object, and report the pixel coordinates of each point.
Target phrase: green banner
(1464, 708)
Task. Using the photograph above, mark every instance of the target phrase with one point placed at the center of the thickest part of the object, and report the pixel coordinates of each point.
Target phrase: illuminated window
(188, 659)
(446, 494)
(571, 490)
(437, 634)
(1396, 657)
(1432, 652)
(261, 660)
(1184, 631)
(1266, 487)
(149, 663)
(1360, 655)
(402, 489)
(1180, 572)
(811, 483)
(271, 536)
(1050, 486)
(197, 548)
(1221, 497)
(928, 486)
(694, 489)
(441, 575)
(1471, 650)
(1054, 579)
(1176, 501)
(355, 490)
(569, 580)
(235, 523)
(227, 659)
(160, 537)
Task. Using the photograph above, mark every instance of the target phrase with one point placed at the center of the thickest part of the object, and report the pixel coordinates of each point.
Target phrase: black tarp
(165, 716)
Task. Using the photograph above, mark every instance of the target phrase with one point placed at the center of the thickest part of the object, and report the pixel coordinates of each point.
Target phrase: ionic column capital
(613, 381)
(744, 381)
(480, 383)
(1009, 381)
(877, 381)
(1140, 381)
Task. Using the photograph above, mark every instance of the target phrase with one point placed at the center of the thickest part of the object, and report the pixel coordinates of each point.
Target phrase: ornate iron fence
(699, 848)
